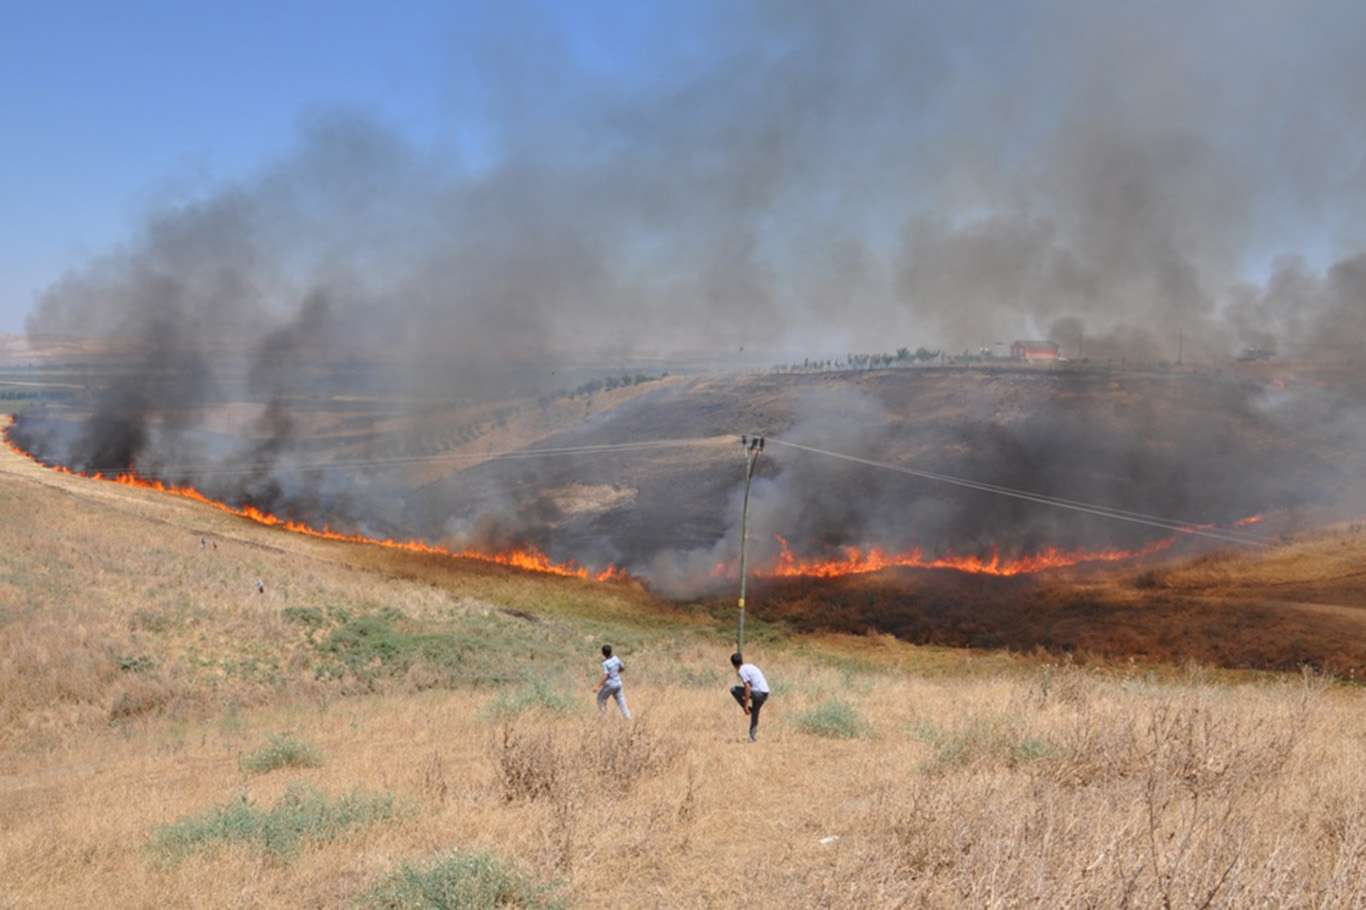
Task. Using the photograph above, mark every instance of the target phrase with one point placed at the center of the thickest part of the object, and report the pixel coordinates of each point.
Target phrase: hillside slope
(172, 736)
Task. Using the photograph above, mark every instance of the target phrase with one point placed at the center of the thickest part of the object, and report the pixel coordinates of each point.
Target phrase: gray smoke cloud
(819, 178)
(942, 175)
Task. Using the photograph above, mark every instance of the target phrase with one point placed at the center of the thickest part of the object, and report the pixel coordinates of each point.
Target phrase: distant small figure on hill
(751, 693)
(610, 684)
(203, 543)
(260, 586)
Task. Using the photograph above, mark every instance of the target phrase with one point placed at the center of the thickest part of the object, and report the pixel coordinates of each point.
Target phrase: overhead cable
(1180, 527)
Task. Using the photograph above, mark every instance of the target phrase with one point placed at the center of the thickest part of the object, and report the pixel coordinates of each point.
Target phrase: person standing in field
(751, 693)
(610, 684)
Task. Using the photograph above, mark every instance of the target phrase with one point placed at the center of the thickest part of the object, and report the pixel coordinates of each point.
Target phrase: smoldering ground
(819, 179)
(1188, 448)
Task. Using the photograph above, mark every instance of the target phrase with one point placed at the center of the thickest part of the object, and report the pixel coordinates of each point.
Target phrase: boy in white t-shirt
(752, 693)
(610, 684)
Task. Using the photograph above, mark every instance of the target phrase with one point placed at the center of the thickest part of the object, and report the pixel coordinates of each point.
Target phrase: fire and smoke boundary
(533, 559)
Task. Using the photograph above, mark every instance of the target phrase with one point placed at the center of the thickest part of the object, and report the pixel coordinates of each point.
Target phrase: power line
(1180, 527)
(414, 460)
(1168, 524)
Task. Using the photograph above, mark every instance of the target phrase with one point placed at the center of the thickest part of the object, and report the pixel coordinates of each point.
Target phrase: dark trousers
(756, 701)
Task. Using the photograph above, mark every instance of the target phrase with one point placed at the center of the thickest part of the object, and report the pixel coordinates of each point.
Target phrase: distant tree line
(36, 394)
(625, 380)
(902, 357)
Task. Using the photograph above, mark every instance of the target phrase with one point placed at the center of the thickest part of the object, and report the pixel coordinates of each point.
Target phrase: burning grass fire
(861, 561)
(852, 560)
(527, 558)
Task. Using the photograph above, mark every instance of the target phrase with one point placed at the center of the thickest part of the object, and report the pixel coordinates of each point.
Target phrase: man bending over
(752, 693)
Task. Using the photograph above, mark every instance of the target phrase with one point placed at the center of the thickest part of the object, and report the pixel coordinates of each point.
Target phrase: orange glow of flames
(527, 558)
(1250, 520)
(860, 561)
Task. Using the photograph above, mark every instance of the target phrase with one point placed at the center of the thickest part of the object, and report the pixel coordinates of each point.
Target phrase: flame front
(852, 561)
(860, 561)
(528, 558)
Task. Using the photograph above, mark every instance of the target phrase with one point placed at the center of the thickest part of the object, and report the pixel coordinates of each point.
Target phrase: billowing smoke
(1135, 181)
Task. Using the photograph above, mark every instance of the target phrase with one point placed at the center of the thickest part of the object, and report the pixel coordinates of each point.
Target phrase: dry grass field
(387, 730)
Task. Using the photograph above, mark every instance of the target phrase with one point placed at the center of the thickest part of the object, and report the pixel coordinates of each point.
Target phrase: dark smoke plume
(1139, 182)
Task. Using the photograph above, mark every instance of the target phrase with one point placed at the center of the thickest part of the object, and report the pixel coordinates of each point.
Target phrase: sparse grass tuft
(527, 764)
(833, 718)
(284, 750)
(549, 763)
(980, 741)
(461, 881)
(537, 694)
(699, 678)
(303, 815)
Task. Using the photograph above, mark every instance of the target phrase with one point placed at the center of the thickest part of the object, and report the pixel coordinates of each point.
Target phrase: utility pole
(752, 445)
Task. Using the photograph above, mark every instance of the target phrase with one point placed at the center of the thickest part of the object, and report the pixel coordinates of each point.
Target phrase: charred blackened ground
(1300, 606)
(1195, 448)
(1203, 448)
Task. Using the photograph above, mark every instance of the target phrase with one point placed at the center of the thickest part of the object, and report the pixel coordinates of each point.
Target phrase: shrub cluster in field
(302, 815)
(284, 750)
(545, 762)
(536, 694)
(993, 739)
(467, 881)
(833, 718)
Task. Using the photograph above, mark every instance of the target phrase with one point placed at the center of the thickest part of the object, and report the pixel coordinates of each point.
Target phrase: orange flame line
(859, 561)
(528, 558)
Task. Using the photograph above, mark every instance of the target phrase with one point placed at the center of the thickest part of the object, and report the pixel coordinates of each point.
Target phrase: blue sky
(108, 109)
(751, 151)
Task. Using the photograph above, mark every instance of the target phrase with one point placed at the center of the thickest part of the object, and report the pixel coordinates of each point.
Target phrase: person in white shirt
(610, 684)
(752, 693)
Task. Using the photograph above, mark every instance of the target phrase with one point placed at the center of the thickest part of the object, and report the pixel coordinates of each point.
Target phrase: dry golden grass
(137, 670)
(1324, 567)
(1060, 789)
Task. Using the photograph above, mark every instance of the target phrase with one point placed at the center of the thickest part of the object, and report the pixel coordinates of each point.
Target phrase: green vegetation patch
(833, 718)
(468, 881)
(302, 816)
(981, 740)
(471, 651)
(284, 750)
(537, 694)
(308, 617)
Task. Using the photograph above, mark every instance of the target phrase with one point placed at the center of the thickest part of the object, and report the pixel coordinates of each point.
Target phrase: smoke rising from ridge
(944, 175)
(819, 178)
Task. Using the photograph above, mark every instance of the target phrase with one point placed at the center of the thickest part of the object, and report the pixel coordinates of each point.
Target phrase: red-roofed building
(1034, 350)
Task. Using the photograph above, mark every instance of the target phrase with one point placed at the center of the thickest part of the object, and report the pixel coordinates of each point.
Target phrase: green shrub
(468, 881)
(538, 694)
(980, 740)
(139, 663)
(308, 617)
(1030, 749)
(283, 751)
(833, 718)
(303, 815)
